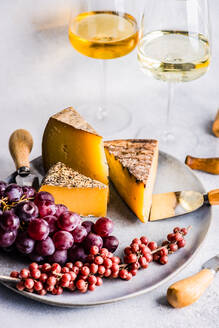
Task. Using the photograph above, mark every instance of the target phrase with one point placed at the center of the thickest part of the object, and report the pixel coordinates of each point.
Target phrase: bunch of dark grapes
(35, 226)
(101, 263)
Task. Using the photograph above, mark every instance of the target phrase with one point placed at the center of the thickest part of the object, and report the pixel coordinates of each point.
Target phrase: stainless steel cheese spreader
(20, 146)
(172, 204)
(189, 290)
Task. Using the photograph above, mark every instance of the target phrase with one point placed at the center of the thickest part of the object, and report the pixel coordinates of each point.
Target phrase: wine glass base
(113, 119)
(179, 141)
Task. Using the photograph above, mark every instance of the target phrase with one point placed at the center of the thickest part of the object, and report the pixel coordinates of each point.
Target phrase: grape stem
(167, 246)
(6, 206)
(9, 279)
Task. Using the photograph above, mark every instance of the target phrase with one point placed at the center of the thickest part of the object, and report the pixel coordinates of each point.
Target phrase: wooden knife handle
(187, 291)
(215, 126)
(213, 197)
(20, 146)
(209, 165)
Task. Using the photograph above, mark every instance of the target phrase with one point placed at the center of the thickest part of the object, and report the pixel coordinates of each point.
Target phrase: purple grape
(60, 208)
(103, 227)
(7, 238)
(43, 196)
(26, 211)
(69, 221)
(45, 247)
(13, 192)
(3, 186)
(38, 229)
(29, 192)
(46, 207)
(79, 234)
(36, 257)
(63, 240)
(77, 253)
(51, 220)
(9, 221)
(88, 225)
(58, 257)
(24, 243)
(92, 240)
(111, 243)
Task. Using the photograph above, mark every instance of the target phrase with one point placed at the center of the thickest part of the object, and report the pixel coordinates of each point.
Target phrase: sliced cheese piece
(163, 206)
(69, 139)
(132, 167)
(78, 192)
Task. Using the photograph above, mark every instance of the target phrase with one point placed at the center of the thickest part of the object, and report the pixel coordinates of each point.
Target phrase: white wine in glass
(174, 47)
(174, 56)
(104, 29)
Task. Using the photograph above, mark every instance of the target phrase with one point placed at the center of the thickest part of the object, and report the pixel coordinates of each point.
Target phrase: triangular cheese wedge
(78, 192)
(132, 167)
(69, 139)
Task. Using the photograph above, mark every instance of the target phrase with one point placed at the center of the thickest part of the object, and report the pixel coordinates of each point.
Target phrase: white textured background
(40, 74)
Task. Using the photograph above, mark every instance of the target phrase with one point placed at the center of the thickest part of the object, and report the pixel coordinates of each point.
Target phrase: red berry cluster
(100, 264)
(53, 278)
(175, 240)
(141, 252)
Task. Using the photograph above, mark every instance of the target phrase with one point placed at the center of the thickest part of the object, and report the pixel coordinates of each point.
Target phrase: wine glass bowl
(103, 34)
(185, 57)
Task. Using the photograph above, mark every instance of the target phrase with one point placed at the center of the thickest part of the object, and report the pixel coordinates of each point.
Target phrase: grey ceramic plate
(172, 175)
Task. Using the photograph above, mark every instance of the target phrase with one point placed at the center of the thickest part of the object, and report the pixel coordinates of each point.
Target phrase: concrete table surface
(40, 74)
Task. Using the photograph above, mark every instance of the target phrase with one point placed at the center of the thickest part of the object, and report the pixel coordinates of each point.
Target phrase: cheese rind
(79, 193)
(132, 167)
(69, 139)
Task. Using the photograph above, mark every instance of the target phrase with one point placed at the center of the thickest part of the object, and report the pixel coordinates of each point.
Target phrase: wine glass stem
(102, 108)
(168, 129)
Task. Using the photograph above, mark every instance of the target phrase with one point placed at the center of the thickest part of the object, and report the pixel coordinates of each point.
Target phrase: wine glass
(104, 29)
(174, 46)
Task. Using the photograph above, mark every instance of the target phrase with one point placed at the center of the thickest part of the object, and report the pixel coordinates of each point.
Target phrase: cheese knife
(173, 204)
(187, 291)
(20, 146)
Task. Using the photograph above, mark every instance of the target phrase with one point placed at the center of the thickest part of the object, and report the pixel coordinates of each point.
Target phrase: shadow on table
(163, 301)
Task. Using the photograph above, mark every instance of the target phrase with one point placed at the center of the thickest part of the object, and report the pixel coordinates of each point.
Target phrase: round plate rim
(39, 298)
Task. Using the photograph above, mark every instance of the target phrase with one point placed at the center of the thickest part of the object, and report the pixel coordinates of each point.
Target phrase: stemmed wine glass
(174, 47)
(104, 29)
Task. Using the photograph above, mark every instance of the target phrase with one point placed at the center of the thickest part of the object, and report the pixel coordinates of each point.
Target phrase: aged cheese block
(133, 166)
(78, 192)
(69, 139)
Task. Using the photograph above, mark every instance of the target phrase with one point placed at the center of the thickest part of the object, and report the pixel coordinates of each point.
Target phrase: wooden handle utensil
(213, 197)
(20, 146)
(215, 126)
(189, 290)
(209, 165)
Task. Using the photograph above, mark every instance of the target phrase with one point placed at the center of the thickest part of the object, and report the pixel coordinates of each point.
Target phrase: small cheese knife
(187, 291)
(20, 146)
(172, 204)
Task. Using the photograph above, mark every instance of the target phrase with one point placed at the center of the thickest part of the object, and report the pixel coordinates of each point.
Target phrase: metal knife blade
(172, 204)
(29, 180)
(212, 264)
